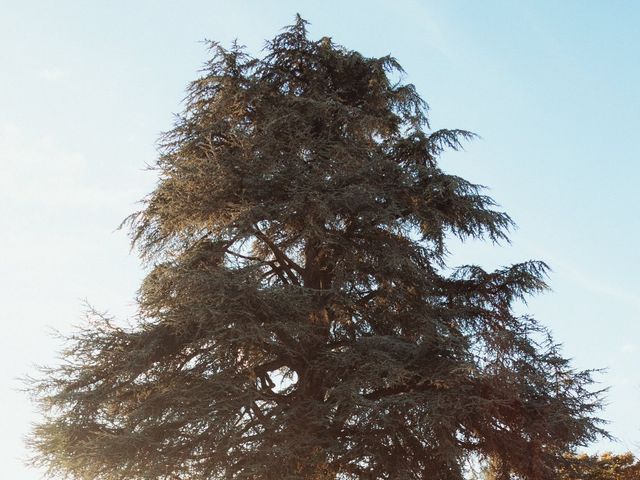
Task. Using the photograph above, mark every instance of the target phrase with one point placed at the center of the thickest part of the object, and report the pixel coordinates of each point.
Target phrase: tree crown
(299, 320)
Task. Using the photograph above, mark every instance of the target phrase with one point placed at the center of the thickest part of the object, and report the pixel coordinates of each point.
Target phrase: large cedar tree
(298, 320)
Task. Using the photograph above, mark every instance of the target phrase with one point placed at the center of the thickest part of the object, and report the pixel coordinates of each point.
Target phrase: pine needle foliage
(299, 320)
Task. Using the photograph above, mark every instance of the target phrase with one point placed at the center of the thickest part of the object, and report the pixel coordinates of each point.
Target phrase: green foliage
(299, 320)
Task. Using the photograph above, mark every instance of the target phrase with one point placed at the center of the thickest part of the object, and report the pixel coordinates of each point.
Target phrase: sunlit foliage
(607, 466)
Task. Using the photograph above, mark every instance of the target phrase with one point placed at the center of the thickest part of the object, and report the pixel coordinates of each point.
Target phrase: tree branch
(288, 265)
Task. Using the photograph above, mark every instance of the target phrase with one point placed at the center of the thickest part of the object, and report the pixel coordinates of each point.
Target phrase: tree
(299, 320)
(607, 466)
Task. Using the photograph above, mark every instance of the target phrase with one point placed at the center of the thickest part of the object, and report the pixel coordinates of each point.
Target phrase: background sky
(551, 87)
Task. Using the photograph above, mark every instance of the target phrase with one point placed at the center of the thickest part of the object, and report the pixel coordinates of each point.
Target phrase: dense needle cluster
(299, 320)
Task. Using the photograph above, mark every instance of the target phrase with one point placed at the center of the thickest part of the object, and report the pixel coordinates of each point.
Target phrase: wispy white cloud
(586, 280)
(39, 171)
(52, 74)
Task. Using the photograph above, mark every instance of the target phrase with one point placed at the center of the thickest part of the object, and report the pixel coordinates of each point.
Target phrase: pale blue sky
(552, 88)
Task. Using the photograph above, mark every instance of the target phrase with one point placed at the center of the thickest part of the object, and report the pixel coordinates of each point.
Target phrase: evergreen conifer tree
(299, 320)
